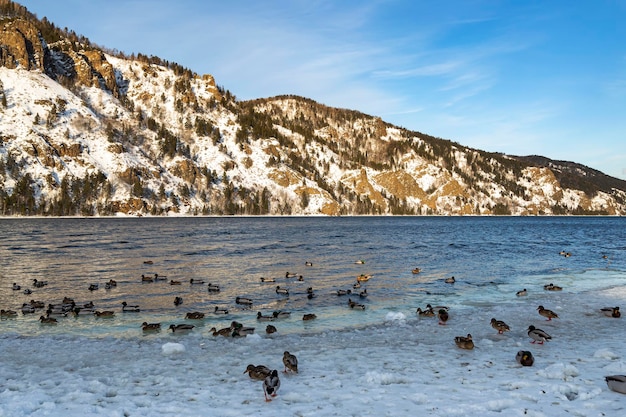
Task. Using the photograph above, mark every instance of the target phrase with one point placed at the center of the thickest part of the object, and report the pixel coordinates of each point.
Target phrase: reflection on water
(491, 258)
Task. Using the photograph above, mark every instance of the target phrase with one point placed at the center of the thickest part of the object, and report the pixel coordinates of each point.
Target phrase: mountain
(89, 131)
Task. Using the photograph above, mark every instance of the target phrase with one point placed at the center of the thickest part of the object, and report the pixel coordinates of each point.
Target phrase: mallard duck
(226, 331)
(464, 342)
(552, 287)
(158, 277)
(47, 320)
(549, 314)
(611, 312)
(196, 281)
(363, 293)
(174, 282)
(258, 372)
(244, 301)
(213, 287)
(363, 278)
(270, 385)
(111, 283)
(500, 326)
(178, 301)
(241, 331)
(263, 279)
(522, 293)
(261, 317)
(16, 287)
(181, 327)
(93, 287)
(356, 285)
(8, 313)
(443, 316)
(145, 278)
(269, 329)
(27, 308)
(538, 335)
(104, 314)
(429, 312)
(220, 310)
(307, 263)
(525, 358)
(282, 291)
(150, 327)
(360, 262)
(126, 308)
(343, 292)
(37, 304)
(416, 270)
(355, 305)
(450, 280)
(309, 316)
(280, 314)
(194, 315)
(616, 383)
(290, 274)
(290, 361)
(81, 311)
(39, 284)
(27, 291)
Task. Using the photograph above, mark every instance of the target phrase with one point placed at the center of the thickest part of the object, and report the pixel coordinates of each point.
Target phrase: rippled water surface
(491, 258)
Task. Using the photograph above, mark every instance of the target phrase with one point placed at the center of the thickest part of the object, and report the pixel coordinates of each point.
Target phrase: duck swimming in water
(194, 315)
(181, 328)
(522, 293)
(443, 316)
(150, 327)
(611, 312)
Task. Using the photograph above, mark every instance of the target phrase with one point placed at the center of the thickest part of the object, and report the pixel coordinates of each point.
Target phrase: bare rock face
(21, 46)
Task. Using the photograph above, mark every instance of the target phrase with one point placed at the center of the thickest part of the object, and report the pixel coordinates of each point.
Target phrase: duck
(47, 320)
(355, 305)
(450, 280)
(27, 308)
(525, 358)
(126, 308)
(363, 293)
(552, 287)
(307, 263)
(28, 291)
(111, 283)
(500, 326)
(39, 284)
(37, 304)
(343, 292)
(239, 330)
(8, 313)
(264, 279)
(220, 310)
(290, 274)
(226, 331)
(282, 291)
(549, 314)
(175, 282)
(291, 362)
(194, 315)
(178, 301)
(81, 311)
(443, 316)
(538, 335)
(181, 327)
(244, 301)
(429, 312)
(309, 316)
(270, 385)
(363, 278)
(258, 372)
(269, 329)
(213, 287)
(356, 285)
(616, 383)
(196, 281)
(16, 287)
(360, 262)
(416, 270)
(280, 314)
(104, 314)
(464, 342)
(158, 277)
(145, 278)
(522, 293)
(611, 312)
(93, 287)
(150, 327)
(108, 286)
(261, 317)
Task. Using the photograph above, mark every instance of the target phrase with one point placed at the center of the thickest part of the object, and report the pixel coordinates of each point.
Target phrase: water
(491, 258)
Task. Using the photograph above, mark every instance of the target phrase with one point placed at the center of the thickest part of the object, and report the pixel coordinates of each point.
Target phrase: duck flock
(53, 313)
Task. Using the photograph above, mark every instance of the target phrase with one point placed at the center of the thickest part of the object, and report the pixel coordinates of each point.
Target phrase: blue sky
(519, 77)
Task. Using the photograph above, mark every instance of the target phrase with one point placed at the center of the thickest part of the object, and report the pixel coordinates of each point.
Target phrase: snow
(402, 366)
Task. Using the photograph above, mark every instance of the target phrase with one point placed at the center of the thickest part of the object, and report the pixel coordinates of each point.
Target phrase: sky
(518, 77)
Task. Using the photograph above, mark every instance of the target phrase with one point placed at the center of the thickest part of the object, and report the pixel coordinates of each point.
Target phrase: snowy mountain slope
(89, 133)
